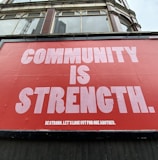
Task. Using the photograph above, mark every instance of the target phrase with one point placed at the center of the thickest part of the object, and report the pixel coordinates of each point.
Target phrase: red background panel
(15, 76)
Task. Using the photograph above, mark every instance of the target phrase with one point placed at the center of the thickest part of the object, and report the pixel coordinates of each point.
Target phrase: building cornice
(51, 4)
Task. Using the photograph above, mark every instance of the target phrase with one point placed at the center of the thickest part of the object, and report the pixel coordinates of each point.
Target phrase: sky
(146, 13)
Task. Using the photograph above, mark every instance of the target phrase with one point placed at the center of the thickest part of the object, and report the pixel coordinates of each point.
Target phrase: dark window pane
(95, 24)
(20, 26)
(67, 25)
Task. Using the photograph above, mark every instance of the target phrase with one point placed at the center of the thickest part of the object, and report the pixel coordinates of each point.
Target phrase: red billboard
(104, 85)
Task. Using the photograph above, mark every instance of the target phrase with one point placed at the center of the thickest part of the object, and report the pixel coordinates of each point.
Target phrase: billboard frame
(140, 134)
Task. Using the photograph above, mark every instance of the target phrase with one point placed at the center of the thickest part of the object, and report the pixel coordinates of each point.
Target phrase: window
(82, 21)
(21, 23)
(125, 24)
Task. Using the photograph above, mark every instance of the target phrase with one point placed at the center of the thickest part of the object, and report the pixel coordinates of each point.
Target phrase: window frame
(29, 19)
(126, 22)
(59, 13)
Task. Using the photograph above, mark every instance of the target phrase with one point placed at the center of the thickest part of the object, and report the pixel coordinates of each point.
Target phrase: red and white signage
(79, 85)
